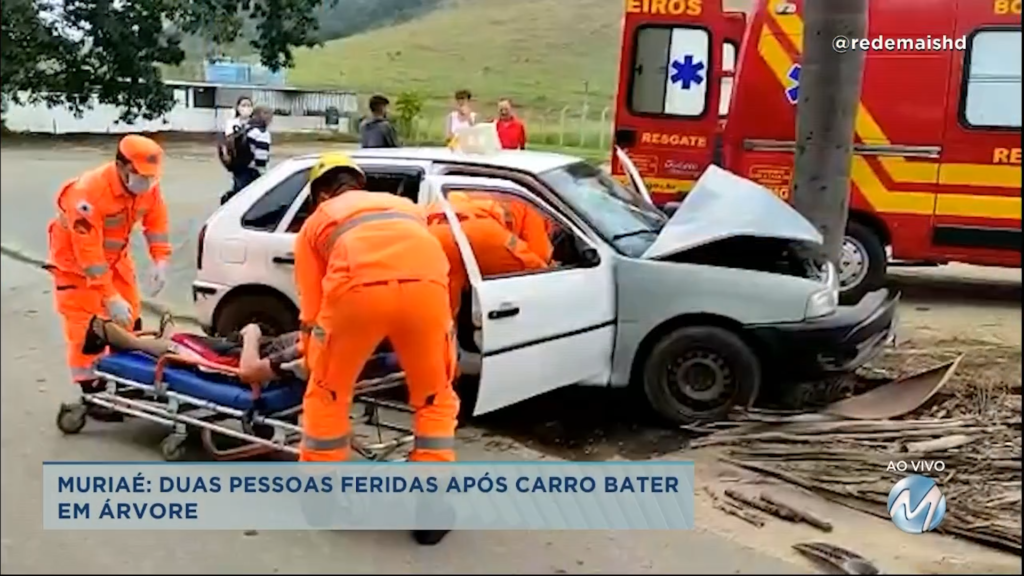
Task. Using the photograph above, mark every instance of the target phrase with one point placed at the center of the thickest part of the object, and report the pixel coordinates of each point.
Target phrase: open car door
(540, 330)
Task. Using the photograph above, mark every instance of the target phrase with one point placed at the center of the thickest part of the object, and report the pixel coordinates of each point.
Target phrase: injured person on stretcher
(259, 359)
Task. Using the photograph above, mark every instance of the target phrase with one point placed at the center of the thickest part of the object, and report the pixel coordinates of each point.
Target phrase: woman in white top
(240, 121)
(243, 111)
(463, 115)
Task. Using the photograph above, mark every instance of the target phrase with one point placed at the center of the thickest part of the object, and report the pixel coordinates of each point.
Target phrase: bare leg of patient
(123, 339)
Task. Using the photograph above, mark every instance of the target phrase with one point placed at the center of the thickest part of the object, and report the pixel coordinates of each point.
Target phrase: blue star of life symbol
(687, 73)
(793, 90)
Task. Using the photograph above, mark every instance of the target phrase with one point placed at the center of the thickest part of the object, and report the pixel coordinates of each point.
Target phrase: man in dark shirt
(377, 131)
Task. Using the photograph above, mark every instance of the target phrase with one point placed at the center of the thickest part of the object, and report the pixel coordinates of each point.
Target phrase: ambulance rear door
(668, 103)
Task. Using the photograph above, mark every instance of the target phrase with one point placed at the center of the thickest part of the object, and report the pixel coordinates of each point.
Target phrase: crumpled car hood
(723, 205)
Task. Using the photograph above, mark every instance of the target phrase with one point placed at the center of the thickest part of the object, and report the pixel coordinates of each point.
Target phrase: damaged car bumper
(838, 343)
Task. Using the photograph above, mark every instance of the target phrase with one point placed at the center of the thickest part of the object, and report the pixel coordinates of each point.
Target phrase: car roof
(523, 160)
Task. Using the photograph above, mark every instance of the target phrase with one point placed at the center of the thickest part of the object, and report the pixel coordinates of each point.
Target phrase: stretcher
(189, 394)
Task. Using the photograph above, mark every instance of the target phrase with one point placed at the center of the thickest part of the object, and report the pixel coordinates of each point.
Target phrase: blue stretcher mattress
(220, 389)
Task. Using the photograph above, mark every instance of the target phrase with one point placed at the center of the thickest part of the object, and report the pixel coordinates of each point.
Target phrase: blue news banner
(368, 496)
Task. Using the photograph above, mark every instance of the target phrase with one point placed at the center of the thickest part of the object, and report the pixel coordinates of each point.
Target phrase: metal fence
(569, 127)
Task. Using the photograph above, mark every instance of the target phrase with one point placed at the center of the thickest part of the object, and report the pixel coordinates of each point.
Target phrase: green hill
(542, 53)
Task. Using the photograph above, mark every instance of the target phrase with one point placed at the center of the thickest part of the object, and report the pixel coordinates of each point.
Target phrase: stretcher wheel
(71, 418)
(173, 447)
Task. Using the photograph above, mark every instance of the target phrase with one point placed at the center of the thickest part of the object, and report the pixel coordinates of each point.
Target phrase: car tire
(864, 243)
(711, 352)
(273, 314)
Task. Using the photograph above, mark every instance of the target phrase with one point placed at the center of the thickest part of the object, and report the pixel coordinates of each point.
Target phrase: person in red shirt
(511, 131)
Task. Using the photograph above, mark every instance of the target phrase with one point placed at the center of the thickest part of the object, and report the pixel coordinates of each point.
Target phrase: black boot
(433, 511)
(429, 537)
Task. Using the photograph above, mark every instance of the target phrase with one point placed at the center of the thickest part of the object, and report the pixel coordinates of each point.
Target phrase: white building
(200, 108)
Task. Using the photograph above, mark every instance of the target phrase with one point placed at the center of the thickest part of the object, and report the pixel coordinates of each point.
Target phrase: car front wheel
(273, 315)
(699, 373)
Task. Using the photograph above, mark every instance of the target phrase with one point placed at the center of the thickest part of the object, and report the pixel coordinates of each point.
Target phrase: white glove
(158, 278)
(119, 311)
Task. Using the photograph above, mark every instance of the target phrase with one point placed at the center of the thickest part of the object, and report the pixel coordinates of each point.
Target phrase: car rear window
(268, 211)
(405, 183)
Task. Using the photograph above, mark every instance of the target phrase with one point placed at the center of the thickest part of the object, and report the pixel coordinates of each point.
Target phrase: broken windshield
(620, 215)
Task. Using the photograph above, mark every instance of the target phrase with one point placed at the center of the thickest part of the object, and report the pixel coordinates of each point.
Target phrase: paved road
(34, 382)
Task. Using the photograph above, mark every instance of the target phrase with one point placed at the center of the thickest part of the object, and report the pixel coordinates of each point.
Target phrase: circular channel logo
(916, 505)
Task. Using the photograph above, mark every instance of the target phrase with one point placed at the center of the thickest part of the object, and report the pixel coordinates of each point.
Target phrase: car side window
(404, 184)
(266, 213)
(531, 225)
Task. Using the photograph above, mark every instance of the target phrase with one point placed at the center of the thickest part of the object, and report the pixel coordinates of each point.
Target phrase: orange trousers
(497, 251)
(77, 304)
(414, 316)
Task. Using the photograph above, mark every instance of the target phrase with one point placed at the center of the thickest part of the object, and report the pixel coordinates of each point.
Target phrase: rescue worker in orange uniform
(527, 223)
(366, 269)
(485, 222)
(93, 272)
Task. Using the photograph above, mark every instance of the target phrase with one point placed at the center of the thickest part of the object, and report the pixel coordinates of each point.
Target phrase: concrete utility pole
(829, 93)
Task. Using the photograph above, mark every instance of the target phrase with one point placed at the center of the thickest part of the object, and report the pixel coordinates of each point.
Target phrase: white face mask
(244, 111)
(138, 184)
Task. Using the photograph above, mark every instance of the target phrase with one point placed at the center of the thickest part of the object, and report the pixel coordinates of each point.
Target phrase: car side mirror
(670, 207)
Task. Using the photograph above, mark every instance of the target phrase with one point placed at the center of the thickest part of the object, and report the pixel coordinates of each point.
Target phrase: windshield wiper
(633, 233)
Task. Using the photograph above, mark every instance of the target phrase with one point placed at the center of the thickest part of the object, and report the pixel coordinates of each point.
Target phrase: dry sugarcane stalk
(1006, 464)
(940, 444)
(734, 510)
(763, 506)
(801, 515)
(825, 438)
(877, 425)
(1005, 499)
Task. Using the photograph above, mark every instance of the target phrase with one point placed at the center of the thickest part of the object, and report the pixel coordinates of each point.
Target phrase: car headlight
(826, 300)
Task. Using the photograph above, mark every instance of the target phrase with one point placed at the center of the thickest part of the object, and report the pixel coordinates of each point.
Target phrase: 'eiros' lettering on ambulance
(673, 139)
(665, 7)
(1006, 156)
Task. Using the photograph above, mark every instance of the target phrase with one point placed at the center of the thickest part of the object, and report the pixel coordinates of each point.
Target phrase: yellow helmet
(333, 160)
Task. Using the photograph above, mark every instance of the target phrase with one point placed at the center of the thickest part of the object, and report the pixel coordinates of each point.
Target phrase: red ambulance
(936, 176)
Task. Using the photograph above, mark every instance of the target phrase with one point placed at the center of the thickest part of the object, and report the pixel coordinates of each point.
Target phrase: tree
(67, 52)
(829, 97)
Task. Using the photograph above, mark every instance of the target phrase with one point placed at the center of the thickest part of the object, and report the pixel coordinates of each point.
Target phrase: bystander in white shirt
(457, 121)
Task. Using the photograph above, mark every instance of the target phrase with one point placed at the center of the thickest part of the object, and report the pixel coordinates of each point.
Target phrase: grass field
(545, 54)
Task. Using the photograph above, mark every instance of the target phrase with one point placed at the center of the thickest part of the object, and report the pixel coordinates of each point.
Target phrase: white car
(699, 310)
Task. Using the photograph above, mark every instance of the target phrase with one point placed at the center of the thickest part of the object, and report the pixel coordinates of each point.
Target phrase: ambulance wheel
(862, 264)
(172, 448)
(699, 373)
(71, 418)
